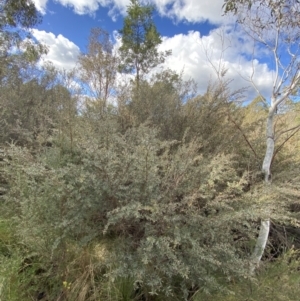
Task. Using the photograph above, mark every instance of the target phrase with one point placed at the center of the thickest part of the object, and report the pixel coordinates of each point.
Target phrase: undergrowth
(276, 281)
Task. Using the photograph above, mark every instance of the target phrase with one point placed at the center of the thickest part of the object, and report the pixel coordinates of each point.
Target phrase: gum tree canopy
(16, 17)
(16, 13)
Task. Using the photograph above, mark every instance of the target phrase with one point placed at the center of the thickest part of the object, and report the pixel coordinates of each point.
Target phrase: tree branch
(277, 150)
(245, 137)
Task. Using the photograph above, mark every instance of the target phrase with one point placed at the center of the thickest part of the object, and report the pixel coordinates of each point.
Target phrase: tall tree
(275, 27)
(140, 40)
(98, 68)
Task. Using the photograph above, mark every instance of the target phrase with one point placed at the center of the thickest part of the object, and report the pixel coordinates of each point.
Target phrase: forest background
(145, 189)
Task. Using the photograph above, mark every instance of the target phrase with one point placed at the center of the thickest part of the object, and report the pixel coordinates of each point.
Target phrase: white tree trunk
(260, 245)
(266, 168)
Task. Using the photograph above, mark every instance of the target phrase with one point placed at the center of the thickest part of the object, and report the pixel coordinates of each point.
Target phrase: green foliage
(173, 232)
(231, 6)
(16, 13)
(33, 108)
(278, 281)
(6, 237)
(140, 40)
(156, 198)
(71, 273)
(173, 209)
(16, 17)
(162, 104)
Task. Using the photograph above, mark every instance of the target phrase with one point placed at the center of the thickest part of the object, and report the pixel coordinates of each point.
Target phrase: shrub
(174, 213)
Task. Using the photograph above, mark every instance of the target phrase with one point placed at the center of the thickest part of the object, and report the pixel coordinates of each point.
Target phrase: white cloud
(179, 10)
(191, 53)
(197, 55)
(62, 52)
(81, 7)
(41, 5)
(191, 10)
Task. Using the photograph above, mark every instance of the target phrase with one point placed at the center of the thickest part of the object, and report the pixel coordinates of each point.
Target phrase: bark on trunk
(260, 245)
(266, 168)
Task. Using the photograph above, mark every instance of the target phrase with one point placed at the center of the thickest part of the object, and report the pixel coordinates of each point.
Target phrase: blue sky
(60, 19)
(192, 29)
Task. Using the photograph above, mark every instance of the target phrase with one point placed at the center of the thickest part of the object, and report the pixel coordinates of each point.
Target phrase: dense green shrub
(173, 212)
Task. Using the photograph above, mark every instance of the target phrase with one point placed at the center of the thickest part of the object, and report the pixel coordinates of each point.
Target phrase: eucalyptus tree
(16, 13)
(98, 68)
(16, 18)
(274, 26)
(140, 40)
